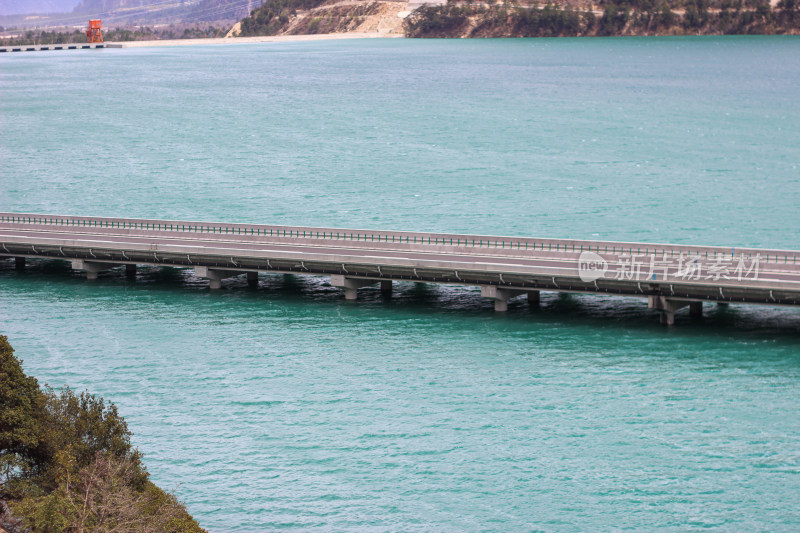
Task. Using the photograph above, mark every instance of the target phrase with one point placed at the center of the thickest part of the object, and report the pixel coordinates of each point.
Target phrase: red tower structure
(93, 33)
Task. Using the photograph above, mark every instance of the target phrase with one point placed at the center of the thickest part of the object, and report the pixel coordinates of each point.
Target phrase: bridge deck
(511, 264)
(63, 46)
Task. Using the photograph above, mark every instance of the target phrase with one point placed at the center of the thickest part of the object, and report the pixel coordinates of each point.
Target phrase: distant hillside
(121, 12)
(21, 7)
(185, 8)
(214, 10)
(109, 6)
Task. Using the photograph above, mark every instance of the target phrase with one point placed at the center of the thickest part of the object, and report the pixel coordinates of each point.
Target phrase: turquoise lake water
(285, 407)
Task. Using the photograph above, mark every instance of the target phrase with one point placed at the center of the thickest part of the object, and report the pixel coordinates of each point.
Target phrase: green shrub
(68, 463)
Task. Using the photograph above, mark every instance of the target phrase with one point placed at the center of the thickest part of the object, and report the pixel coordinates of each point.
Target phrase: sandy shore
(269, 39)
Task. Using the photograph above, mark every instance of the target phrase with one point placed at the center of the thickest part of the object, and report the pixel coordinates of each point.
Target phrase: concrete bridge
(64, 46)
(669, 276)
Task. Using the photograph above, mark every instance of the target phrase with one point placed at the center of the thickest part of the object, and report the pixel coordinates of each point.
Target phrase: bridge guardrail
(477, 241)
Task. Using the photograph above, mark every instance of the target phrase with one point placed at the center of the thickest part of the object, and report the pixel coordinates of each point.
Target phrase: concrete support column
(19, 263)
(386, 287)
(350, 285)
(667, 306)
(130, 271)
(214, 276)
(696, 309)
(91, 268)
(252, 279)
(533, 298)
(500, 296)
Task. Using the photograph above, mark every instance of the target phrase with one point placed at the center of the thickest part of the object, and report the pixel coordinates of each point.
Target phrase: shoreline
(259, 39)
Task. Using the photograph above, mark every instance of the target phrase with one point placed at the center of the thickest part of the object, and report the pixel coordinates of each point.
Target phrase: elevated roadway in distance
(63, 46)
(669, 276)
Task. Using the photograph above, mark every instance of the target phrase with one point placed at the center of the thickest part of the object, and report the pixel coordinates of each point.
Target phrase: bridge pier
(19, 263)
(500, 296)
(252, 279)
(91, 268)
(533, 298)
(214, 276)
(386, 288)
(130, 271)
(668, 307)
(350, 285)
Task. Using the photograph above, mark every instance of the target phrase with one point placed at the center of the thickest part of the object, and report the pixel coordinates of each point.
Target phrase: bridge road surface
(63, 46)
(670, 276)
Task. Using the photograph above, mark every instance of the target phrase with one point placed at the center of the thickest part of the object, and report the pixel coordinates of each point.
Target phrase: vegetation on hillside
(67, 464)
(45, 37)
(480, 20)
(273, 15)
(140, 33)
(619, 17)
(173, 31)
